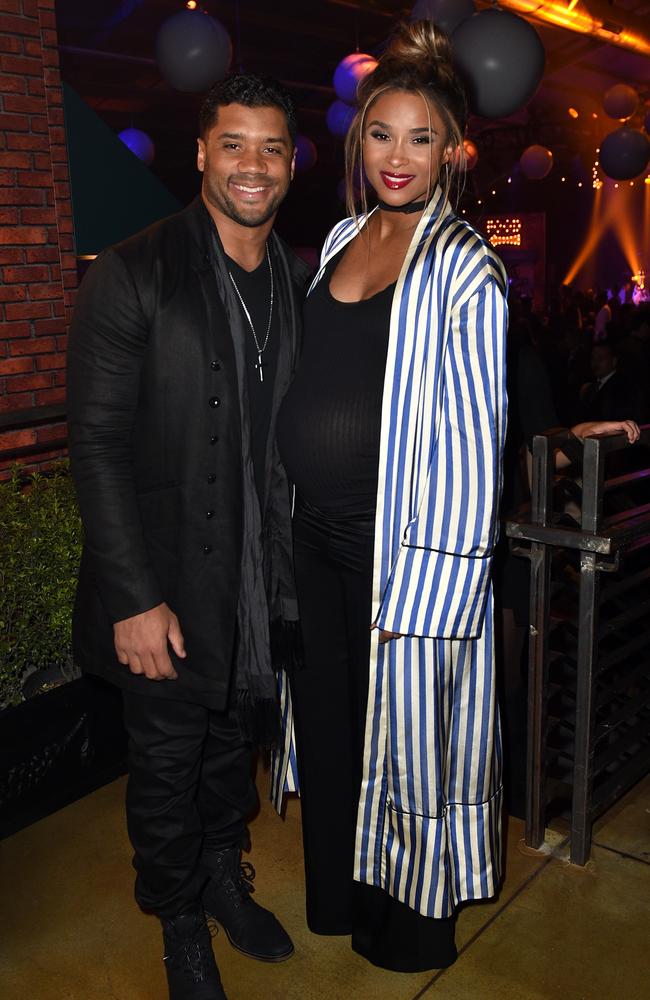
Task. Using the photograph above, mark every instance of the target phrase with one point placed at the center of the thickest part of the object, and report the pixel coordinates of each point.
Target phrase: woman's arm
(439, 583)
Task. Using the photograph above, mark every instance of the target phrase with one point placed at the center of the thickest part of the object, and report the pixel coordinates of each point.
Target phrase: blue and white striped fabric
(429, 812)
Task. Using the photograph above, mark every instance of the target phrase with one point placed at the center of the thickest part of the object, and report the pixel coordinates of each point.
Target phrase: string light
(573, 113)
(504, 231)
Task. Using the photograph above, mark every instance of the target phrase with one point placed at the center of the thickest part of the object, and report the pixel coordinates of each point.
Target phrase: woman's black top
(330, 420)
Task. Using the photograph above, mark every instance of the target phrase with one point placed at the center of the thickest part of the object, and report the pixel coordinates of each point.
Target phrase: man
(609, 396)
(182, 345)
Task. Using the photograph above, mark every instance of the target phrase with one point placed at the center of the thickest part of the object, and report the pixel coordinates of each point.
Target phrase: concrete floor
(69, 929)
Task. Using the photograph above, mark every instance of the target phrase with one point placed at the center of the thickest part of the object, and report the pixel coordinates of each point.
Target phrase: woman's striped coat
(429, 812)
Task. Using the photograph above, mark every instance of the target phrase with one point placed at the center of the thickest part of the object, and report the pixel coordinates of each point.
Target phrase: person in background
(183, 342)
(392, 432)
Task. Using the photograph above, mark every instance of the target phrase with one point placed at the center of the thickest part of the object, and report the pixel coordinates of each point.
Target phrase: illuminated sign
(504, 231)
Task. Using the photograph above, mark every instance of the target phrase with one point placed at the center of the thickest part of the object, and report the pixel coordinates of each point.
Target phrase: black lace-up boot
(250, 928)
(192, 972)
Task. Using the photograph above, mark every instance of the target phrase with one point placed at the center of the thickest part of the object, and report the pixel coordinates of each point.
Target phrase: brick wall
(37, 264)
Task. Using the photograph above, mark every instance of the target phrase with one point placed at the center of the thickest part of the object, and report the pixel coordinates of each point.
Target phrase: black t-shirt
(255, 289)
(329, 426)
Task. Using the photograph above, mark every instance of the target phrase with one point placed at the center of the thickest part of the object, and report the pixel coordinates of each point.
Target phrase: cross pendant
(260, 366)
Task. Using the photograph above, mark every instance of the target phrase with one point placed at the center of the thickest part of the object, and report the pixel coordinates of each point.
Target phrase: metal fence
(589, 632)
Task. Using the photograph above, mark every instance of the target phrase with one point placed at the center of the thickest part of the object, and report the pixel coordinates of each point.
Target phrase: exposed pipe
(598, 18)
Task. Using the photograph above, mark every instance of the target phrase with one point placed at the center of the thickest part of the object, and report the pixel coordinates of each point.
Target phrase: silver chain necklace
(260, 350)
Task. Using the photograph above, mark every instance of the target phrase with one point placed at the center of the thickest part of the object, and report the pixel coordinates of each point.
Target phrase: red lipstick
(395, 182)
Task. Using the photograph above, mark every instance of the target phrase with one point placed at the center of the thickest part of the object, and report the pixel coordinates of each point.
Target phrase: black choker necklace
(412, 206)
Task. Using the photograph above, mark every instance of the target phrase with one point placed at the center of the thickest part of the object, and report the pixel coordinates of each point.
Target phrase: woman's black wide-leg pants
(333, 564)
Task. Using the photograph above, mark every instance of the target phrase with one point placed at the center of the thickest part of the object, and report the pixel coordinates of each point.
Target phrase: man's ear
(200, 155)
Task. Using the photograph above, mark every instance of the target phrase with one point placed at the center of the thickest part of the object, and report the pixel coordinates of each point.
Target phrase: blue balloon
(349, 73)
(94, 14)
(193, 51)
(339, 117)
(140, 144)
(446, 14)
(306, 153)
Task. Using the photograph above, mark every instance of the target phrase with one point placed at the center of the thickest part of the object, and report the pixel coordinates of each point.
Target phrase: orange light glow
(504, 232)
(191, 4)
(573, 112)
(578, 19)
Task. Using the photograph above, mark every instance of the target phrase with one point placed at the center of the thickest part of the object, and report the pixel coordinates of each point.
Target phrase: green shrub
(40, 548)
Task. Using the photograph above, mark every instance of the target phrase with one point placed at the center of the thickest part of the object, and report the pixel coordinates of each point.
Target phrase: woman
(392, 433)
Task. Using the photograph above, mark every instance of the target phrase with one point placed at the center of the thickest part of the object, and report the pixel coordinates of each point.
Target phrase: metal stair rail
(589, 634)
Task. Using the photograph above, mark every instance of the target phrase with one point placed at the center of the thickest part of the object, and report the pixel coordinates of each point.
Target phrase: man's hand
(141, 643)
(385, 636)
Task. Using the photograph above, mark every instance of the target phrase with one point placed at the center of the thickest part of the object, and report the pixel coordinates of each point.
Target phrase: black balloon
(501, 59)
(624, 153)
(193, 51)
(447, 14)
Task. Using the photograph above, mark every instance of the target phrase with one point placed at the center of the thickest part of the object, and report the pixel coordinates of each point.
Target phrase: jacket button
(214, 402)
(209, 514)
(211, 477)
(207, 549)
(215, 366)
(214, 438)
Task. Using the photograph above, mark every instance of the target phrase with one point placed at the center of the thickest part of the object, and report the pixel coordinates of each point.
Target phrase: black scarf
(266, 589)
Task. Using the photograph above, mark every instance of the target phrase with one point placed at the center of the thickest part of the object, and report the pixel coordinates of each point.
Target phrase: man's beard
(220, 200)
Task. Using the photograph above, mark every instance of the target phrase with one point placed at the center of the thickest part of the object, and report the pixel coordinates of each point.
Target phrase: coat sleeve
(439, 583)
(108, 339)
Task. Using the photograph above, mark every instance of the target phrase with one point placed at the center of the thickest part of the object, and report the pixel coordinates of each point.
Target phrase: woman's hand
(597, 428)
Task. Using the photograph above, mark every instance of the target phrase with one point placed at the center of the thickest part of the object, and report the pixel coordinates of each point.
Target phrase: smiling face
(247, 161)
(404, 147)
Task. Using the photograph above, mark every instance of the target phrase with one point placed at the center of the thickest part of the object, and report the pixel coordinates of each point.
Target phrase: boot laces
(189, 956)
(240, 885)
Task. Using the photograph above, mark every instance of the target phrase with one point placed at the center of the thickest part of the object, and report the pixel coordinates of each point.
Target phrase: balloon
(447, 14)
(536, 162)
(471, 153)
(501, 59)
(193, 51)
(624, 153)
(620, 101)
(349, 72)
(98, 14)
(306, 153)
(341, 191)
(140, 144)
(339, 117)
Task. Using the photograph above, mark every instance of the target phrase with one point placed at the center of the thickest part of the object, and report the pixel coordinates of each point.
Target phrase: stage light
(616, 185)
(191, 4)
(563, 179)
(594, 115)
(579, 184)
(494, 192)
(479, 202)
(510, 180)
(573, 112)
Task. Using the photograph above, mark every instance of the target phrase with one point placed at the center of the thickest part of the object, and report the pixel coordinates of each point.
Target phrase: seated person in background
(610, 395)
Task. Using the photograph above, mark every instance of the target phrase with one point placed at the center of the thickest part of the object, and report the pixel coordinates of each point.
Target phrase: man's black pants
(190, 791)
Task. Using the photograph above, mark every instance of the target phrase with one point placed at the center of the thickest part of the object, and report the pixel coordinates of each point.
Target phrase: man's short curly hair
(251, 91)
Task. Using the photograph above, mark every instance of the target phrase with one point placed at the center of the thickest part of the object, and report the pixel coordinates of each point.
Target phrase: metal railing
(589, 634)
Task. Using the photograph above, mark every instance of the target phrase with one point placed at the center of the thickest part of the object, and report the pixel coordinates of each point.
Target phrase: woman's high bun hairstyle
(418, 59)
